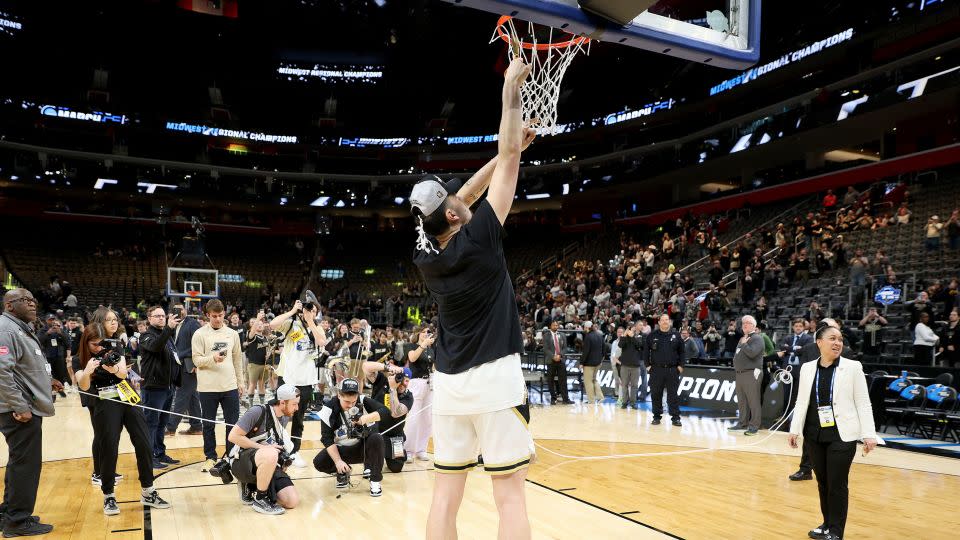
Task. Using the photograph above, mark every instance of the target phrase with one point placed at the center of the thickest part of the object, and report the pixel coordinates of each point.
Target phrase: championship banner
(709, 388)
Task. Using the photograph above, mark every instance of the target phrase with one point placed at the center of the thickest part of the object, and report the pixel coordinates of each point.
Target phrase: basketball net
(548, 63)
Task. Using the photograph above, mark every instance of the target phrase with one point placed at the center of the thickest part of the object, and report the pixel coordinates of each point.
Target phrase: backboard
(723, 33)
(192, 284)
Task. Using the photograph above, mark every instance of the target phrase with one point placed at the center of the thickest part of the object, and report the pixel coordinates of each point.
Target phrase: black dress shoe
(676, 422)
(801, 475)
(819, 533)
(567, 402)
(655, 422)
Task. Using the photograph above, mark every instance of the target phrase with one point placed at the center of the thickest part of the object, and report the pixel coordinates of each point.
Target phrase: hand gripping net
(548, 62)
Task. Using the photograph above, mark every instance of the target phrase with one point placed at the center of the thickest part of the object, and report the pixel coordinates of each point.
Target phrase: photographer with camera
(376, 377)
(419, 358)
(302, 362)
(711, 342)
(104, 372)
(872, 325)
(394, 404)
(161, 371)
(260, 455)
(185, 398)
(349, 436)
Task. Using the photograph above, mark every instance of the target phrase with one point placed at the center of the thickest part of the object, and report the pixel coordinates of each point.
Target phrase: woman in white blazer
(833, 412)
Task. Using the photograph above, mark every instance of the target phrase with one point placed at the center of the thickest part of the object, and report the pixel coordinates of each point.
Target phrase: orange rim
(577, 40)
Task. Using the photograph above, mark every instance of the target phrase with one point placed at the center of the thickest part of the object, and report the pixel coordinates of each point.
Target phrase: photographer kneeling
(261, 454)
(349, 436)
(394, 405)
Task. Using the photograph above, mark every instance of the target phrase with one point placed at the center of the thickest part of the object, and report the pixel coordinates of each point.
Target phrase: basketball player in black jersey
(479, 404)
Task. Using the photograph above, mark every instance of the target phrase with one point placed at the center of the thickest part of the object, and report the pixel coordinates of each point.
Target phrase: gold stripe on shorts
(520, 416)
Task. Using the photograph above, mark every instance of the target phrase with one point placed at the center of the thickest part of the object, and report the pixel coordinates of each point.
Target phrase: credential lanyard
(832, 380)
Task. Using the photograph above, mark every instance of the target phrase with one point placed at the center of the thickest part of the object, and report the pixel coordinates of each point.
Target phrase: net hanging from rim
(548, 61)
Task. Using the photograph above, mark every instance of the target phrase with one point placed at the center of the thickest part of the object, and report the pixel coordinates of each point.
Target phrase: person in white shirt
(925, 339)
(303, 341)
(933, 229)
(615, 364)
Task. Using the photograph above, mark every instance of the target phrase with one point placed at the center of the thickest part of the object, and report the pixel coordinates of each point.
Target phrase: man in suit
(748, 363)
(556, 369)
(185, 399)
(590, 361)
(792, 346)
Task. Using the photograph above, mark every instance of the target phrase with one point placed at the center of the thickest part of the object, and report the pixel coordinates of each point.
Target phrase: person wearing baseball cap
(478, 396)
(349, 435)
(259, 439)
(394, 405)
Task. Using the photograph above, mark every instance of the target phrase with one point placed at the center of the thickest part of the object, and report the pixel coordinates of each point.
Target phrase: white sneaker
(422, 456)
(409, 458)
(298, 461)
(375, 489)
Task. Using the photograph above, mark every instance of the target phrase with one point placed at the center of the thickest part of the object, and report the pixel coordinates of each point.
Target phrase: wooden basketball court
(694, 482)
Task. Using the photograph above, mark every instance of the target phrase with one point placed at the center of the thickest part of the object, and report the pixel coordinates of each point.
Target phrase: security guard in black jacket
(665, 364)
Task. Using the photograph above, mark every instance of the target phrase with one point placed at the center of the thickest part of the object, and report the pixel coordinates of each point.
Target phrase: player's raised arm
(480, 181)
(503, 184)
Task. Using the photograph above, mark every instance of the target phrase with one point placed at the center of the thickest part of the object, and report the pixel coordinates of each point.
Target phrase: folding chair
(912, 399)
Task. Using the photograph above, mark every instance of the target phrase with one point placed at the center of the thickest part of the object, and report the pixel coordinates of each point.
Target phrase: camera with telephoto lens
(222, 471)
(356, 430)
(399, 377)
(309, 301)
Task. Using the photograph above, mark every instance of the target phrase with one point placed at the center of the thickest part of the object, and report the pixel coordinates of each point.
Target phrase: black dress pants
(368, 451)
(831, 464)
(22, 477)
(110, 418)
(665, 378)
(557, 377)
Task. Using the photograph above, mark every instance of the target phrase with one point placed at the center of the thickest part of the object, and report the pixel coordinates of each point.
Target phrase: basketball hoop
(548, 61)
(193, 294)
